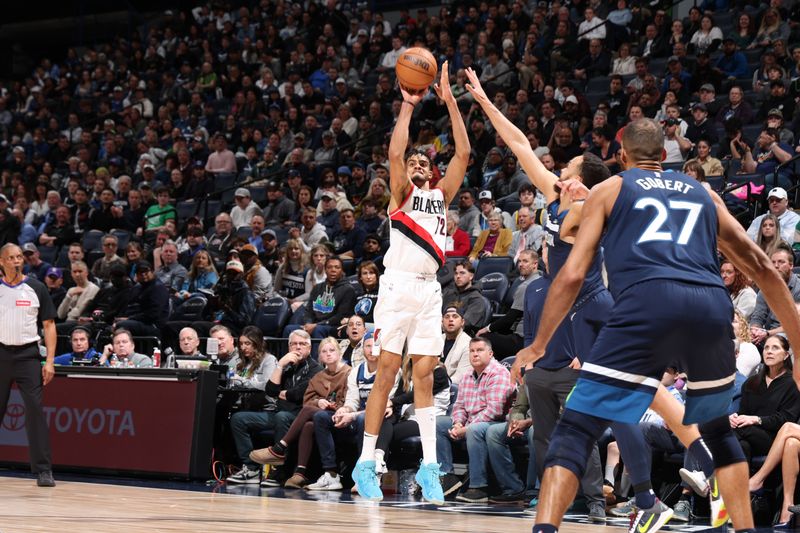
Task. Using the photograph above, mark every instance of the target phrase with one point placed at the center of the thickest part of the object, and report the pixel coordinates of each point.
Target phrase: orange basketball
(416, 69)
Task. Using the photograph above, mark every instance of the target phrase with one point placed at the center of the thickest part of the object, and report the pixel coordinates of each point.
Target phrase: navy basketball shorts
(655, 324)
(588, 316)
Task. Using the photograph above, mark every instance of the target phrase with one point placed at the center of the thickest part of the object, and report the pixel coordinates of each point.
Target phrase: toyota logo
(15, 417)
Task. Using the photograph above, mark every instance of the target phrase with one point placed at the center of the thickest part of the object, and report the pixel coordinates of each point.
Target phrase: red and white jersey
(418, 232)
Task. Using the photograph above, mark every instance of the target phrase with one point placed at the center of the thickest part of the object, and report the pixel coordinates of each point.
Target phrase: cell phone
(212, 346)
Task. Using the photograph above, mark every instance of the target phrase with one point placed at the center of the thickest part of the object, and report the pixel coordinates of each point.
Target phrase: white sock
(426, 419)
(609, 474)
(368, 448)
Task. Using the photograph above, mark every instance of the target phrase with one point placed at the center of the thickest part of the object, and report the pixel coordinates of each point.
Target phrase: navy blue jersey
(663, 226)
(558, 251)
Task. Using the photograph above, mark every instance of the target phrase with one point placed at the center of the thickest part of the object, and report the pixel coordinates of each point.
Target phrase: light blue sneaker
(428, 479)
(367, 481)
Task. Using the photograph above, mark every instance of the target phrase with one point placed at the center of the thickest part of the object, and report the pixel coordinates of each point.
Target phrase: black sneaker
(273, 479)
(509, 497)
(450, 483)
(45, 479)
(477, 495)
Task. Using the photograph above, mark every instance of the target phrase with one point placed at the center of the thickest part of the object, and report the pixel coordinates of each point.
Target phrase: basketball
(416, 69)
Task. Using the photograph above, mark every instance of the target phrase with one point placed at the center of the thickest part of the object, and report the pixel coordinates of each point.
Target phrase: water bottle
(114, 361)
(126, 363)
(157, 357)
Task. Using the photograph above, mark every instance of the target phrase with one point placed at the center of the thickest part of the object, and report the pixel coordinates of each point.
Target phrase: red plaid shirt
(484, 398)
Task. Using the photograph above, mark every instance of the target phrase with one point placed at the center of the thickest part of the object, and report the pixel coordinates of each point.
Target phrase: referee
(24, 303)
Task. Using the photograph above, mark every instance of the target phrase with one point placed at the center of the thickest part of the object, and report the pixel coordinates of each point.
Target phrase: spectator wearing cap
(700, 127)
(245, 208)
(675, 70)
(311, 232)
(675, 145)
(778, 201)
(77, 298)
(148, 175)
(737, 108)
(775, 121)
(59, 231)
(256, 275)
(222, 160)
(80, 338)
(194, 242)
(270, 256)
(506, 332)
(358, 186)
(106, 216)
(236, 302)
(34, 266)
(81, 211)
(329, 303)
(294, 181)
(768, 155)
(708, 97)
(369, 220)
(54, 280)
(327, 154)
(148, 307)
(101, 268)
(455, 354)
(328, 214)
(199, 186)
(279, 210)
(487, 207)
(220, 242)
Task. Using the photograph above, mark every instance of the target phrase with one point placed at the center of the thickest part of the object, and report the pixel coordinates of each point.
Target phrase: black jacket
(237, 303)
(149, 303)
(329, 305)
(294, 381)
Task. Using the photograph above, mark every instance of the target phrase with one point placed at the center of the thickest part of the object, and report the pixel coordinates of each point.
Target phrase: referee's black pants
(21, 364)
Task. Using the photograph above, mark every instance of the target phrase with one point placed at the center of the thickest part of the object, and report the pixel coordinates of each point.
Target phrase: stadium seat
(123, 238)
(677, 167)
(186, 209)
(599, 84)
(494, 287)
(258, 194)
(717, 183)
(488, 265)
(92, 240)
(487, 312)
(49, 254)
(348, 265)
(272, 316)
(353, 281)
(190, 309)
(224, 180)
(62, 261)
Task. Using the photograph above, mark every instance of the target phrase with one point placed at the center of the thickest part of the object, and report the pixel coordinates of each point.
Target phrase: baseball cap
(148, 166)
(143, 266)
(54, 272)
(372, 237)
(234, 265)
(273, 186)
(327, 195)
(199, 164)
(344, 170)
(115, 161)
(571, 99)
(242, 192)
(340, 80)
(118, 88)
(293, 174)
(300, 135)
(248, 248)
(485, 195)
(778, 192)
(453, 309)
(775, 112)
(29, 247)
(362, 31)
(673, 59)
(18, 149)
(700, 106)
(145, 185)
(708, 87)
(269, 233)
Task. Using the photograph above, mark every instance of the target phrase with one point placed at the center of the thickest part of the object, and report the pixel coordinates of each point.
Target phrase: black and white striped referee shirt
(23, 307)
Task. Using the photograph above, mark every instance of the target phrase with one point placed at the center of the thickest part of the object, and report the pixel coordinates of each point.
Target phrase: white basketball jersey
(418, 232)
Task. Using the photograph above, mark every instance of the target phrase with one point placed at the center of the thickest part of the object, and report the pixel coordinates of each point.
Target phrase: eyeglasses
(109, 244)
(774, 200)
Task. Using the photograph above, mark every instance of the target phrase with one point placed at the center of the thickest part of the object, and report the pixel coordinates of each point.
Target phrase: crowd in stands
(222, 173)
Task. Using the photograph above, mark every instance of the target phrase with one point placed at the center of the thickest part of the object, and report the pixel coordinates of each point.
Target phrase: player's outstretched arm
(457, 167)
(398, 179)
(541, 178)
(754, 263)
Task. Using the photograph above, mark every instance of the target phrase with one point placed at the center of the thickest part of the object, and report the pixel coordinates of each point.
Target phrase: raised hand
(474, 87)
(411, 96)
(443, 87)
